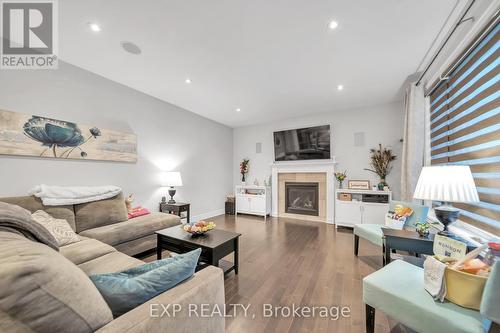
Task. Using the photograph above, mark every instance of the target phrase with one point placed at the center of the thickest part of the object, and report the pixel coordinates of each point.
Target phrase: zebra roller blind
(465, 127)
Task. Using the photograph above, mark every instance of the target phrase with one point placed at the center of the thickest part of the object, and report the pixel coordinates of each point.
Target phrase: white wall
(381, 124)
(169, 138)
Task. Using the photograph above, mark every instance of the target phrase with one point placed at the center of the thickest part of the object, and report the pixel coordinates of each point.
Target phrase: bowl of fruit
(199, 228)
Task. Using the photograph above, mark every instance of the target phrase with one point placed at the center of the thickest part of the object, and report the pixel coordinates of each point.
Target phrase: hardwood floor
(288, 261)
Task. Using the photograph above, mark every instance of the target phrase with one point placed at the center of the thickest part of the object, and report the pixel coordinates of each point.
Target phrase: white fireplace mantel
(327, 167)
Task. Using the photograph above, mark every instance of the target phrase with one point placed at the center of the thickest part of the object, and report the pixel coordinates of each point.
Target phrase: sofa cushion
(85, 250)
(109, 263)
(138, 245)
(138, 227)
(59, 228)
(205, 287)
(42, 291)
(33, 204)
(100, 213)
(18, 220)
(126, 290)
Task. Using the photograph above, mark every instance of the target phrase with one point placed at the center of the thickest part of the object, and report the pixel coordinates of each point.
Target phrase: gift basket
(456, 276)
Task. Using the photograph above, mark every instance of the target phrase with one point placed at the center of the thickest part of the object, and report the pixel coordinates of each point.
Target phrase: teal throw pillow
(125, 290)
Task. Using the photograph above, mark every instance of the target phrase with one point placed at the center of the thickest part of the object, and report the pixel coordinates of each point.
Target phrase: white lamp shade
(449, 183)
(172, 178)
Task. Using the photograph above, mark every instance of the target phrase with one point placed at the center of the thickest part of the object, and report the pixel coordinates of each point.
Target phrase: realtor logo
(29, 34)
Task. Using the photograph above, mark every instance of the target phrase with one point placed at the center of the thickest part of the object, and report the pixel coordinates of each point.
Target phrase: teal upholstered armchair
(373, 232)
(398, 290)
(490, 304)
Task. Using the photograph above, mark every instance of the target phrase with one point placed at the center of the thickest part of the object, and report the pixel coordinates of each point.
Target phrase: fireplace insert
(302, 198)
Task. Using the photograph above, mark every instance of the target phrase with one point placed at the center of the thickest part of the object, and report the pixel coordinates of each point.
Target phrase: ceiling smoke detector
(131, 47)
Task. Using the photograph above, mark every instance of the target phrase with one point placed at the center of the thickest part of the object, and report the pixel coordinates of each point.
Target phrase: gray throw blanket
(18, 220)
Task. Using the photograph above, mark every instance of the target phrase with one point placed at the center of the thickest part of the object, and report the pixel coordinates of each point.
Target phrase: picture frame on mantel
(358, 184)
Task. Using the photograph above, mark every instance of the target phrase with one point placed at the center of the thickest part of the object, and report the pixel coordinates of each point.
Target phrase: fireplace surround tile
(303, 177)
(327, 185)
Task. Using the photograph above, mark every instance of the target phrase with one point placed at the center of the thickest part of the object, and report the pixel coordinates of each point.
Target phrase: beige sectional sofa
(107, 221)
(42, 290)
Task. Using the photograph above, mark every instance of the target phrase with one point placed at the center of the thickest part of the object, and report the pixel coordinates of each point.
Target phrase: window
(465, 127)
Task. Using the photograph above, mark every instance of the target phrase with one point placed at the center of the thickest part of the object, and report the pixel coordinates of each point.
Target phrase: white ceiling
(273, 59)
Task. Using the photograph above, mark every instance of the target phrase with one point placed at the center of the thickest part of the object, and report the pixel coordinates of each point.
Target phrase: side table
(177, 209)
(411, 241)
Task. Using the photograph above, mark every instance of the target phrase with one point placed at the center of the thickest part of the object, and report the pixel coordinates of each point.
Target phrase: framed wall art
(25, 135)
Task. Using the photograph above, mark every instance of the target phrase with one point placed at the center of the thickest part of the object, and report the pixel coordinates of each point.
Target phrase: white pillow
(59, 228)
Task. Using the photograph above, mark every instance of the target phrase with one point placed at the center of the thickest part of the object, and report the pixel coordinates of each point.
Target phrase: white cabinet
(367, 207)
(258, 204)
(374, 213)
(255, 200)
(242, 204)
(347, 213)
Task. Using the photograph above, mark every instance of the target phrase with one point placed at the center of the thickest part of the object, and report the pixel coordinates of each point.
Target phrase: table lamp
(447, 183)
(171, 179)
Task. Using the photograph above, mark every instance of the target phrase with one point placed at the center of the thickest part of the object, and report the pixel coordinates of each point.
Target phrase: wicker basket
(464, 289)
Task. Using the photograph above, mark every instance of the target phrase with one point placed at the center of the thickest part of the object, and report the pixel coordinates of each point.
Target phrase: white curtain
(416, 139)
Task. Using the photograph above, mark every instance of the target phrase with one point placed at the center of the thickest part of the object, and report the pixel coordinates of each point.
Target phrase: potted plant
(244, 169)
(423, 228)
(341, 176)
(381, 160)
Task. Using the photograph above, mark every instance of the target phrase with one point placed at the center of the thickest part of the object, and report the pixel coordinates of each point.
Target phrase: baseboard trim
(207, 215)
(299, 218)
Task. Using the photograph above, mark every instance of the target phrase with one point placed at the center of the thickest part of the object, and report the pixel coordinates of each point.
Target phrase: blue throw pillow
(419, 212)
(126, 290)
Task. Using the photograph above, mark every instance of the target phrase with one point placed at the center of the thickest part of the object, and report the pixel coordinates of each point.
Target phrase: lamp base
(171, 192)
(446, 214)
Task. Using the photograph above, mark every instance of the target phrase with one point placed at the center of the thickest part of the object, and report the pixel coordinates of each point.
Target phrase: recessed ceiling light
(94, 27)
(333, 25)
(238, 110)
(340, 87)
(188, 81)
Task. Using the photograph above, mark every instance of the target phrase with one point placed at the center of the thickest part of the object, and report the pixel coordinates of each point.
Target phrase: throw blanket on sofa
(73, 195)
(18, 220)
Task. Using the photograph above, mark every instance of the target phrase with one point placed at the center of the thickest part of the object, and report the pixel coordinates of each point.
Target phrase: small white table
(360, 210)
(254, 200)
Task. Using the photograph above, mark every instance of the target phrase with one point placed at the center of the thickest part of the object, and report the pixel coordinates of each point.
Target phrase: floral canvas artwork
(27, 135)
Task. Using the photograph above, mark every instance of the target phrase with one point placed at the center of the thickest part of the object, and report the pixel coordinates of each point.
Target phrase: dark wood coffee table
(215, 245)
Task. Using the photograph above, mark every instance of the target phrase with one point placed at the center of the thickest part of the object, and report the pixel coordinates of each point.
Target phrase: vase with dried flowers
(244, 169)
(380, 162)
(341, 176)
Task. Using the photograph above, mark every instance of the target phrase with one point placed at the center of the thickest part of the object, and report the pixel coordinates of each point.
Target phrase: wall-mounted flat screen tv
(310, 143)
